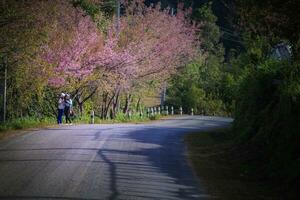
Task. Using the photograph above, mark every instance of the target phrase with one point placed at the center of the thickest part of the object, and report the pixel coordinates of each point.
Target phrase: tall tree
(272, 19)
(23, 28)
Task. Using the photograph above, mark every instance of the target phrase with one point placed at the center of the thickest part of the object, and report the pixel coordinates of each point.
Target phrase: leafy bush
(155, 117)
(134, 117)
(268, 115)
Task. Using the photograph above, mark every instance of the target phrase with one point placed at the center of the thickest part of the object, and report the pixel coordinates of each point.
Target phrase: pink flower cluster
(148, 41)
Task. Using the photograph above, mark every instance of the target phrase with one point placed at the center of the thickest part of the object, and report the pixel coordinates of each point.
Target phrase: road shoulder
(224, 173)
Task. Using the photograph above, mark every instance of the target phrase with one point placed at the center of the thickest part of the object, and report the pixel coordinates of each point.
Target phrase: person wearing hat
(61, 107)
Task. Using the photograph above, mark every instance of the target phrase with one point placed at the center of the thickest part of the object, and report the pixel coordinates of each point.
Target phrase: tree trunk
(80, 99)
(103, 107)
(127, 104)
(80, 105)
(109, 104)
(115, 105)
(138, 105)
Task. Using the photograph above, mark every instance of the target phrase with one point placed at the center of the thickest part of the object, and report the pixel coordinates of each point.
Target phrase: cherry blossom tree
(149, 41)
(149, 44)
(24, 28)
(73, 40)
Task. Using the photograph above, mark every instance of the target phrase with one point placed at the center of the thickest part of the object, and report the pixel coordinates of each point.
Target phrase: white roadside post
(192, 111)
(167, 110)
(180, 110)
(172, 110)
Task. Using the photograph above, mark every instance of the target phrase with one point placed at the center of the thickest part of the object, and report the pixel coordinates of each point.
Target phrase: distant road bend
(117, 161)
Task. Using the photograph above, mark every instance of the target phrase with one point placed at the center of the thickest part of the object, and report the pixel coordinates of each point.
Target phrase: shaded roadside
(229, 171)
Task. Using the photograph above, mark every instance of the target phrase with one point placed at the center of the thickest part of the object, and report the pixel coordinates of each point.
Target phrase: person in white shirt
(61, 107)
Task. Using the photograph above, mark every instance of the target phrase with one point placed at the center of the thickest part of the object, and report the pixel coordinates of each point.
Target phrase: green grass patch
(228, 171)
(10, 127)
(120, 118)
(32, 122)
(26, 122)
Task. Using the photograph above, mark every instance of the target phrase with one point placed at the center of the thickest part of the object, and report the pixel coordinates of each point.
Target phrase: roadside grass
(26, 122)
(120, 118)
(228, 171)
(14, 127)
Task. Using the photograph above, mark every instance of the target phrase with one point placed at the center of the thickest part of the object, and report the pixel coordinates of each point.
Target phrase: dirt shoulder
(227, 172)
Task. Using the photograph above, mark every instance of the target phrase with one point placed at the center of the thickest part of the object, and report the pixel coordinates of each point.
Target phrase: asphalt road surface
(118, 161)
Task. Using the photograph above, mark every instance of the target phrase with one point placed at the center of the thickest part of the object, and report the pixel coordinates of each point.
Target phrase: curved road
(118, 161)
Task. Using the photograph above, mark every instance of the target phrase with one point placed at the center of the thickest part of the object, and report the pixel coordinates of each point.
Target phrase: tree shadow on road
(165, 172)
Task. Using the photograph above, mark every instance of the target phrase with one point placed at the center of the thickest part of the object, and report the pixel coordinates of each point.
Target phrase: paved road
(120, 161)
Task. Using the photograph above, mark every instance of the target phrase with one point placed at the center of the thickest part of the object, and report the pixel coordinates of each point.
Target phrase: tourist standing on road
(61, 107)
(68, 107)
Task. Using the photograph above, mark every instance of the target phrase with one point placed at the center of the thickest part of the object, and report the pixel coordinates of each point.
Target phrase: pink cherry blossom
(150, 43)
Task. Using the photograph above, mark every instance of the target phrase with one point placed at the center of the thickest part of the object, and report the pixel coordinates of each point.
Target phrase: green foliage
(268, 113)
(210, 33)
(270, 18)
(155, 117)
(91, 9)
(101, 14)
(191, 89)
(23, 31)
(267, 107)
(26, 122)
(134, 117)
(121, 117)
(204, 85)
(35, 122)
